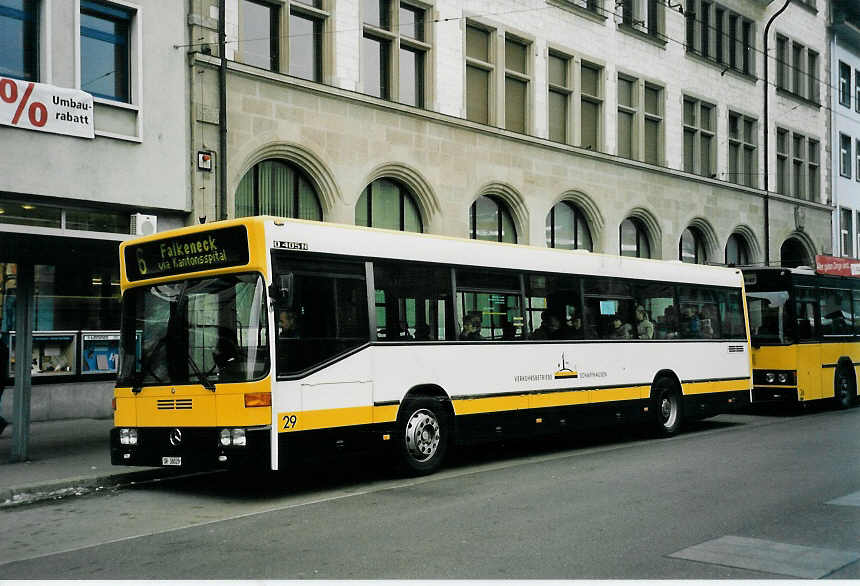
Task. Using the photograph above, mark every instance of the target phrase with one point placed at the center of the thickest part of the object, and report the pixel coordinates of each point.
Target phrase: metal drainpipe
(221, 213)
(766, 141)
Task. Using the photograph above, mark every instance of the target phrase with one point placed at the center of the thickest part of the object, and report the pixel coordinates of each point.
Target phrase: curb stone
(77, 486)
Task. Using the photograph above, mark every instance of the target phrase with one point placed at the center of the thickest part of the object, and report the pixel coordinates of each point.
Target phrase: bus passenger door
(807, 325)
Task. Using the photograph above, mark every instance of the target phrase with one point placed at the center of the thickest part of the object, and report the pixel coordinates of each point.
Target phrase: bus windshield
(206, 331)
(767, 316)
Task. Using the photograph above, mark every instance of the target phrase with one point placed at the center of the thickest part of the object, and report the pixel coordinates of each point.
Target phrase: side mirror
(282, 287)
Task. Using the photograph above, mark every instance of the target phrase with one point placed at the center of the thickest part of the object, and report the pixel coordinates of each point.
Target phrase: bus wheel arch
(845, 383)
(424, 429)
(667, 403)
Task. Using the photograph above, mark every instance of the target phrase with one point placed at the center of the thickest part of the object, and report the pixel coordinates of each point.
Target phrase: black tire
(423, 432)
(668, 407)
(844, 389)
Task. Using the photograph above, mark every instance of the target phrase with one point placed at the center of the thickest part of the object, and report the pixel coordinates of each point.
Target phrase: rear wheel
(423, 437)
(844, 389)
(666, 401)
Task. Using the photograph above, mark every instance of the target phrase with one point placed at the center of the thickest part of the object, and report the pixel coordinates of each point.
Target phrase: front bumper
(764, 394)
(198, 449)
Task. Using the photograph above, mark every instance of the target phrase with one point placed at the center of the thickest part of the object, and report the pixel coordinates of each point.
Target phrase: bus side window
(609, 309)
(412, 302)
(806, 309)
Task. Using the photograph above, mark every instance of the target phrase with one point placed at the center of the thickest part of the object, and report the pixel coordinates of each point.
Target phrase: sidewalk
(66, 457)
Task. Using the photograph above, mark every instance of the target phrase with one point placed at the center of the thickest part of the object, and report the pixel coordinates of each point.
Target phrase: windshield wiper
(201, 376)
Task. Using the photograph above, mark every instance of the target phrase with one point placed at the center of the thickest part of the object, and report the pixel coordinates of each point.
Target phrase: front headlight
(225, 437)
(783, 378)
(128, 437)
(770, 377)
(238, 437)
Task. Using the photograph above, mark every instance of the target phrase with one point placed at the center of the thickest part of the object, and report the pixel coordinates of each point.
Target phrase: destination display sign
(202, 251)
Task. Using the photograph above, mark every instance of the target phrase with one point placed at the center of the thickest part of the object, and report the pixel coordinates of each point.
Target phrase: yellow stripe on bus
(342, 417)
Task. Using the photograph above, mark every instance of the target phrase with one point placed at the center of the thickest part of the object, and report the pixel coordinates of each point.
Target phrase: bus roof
(363, 242)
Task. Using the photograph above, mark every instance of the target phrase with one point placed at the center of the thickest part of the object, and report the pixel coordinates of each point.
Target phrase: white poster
(38, 106)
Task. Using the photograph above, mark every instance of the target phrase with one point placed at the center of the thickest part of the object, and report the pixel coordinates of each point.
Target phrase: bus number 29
(288, 421)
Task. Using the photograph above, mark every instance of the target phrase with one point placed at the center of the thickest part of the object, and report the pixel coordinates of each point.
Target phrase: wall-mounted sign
(46, 108)
(834, 265)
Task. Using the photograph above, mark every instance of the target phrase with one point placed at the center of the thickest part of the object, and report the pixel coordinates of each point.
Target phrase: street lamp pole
(766, 140)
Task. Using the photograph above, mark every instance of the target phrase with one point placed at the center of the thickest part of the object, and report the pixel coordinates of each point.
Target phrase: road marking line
(768, 556)
(849, 500)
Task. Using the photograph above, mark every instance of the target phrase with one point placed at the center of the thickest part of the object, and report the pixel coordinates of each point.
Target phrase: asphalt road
(724, 495)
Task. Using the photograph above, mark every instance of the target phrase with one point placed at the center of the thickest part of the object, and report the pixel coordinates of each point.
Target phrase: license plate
(171, 461)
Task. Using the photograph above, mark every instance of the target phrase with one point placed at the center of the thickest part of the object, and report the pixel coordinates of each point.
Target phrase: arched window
(737, 251)
(567, 228)
(692, 248)
(489, 219)
(793, 253)
(277, 188)
(387, 203)
(634, 239)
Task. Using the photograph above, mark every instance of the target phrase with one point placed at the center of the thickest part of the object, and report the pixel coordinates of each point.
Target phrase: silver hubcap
(422, 435)
(668, 411)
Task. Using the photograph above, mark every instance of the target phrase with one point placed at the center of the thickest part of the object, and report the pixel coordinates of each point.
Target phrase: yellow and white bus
(804, 343)
(264, 339)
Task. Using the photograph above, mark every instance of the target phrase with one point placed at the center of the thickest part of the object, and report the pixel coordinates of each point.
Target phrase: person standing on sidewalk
(4, 377)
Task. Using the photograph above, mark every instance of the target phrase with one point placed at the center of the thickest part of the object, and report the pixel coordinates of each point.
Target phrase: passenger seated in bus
(691, 326)
(666, 325)
(422, 332)
(404, 331)
(550, 327)
(619, 330)
(574, 331)
(707, 321)
(509, 332)
(472, 326)
(644, 327)
(287, 327)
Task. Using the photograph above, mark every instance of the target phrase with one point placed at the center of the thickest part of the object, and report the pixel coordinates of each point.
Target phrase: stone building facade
(641, 110)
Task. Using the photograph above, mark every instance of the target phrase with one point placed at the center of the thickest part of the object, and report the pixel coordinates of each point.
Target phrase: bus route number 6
(288, 421)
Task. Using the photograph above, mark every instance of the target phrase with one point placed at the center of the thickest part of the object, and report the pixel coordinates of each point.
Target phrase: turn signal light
(258, 399)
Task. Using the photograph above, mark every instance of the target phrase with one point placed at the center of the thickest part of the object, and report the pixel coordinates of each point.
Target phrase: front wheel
(666, 400)
(423, 436)
(844, 390)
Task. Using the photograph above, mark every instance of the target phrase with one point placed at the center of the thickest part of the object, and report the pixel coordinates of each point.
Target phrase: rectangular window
(259, 34)
(489, 305)
(845, 232)
(653, 124)
(743, 141)
(782, 179)
(747, 48)
(797, 85)
(733, 41)
(516, 84)
(717, 33)
(782, 62)
(797, 163)
(813, 170)
(559, 96)
(857, 247)
(845, 155)
(376, 67)
(328, 306)
(19, 39)
(105, 50)
(412, 302)
(699, 137)
(857, 159)
(835, 311)
(591, 105)
(845, 84)
(812, 75)
(306, 45)
(857, 90)
(394, 54)
(609, 309)
(720, 16)
(705, 28)
(626, 118)
(554, 307)
(479, 67)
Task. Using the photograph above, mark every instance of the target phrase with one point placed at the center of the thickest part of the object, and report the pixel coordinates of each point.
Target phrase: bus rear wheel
(666, 401)
(423, 427)
(844, 391)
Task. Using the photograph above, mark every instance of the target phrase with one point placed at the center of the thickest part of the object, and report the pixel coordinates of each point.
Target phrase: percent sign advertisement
(38, 106)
